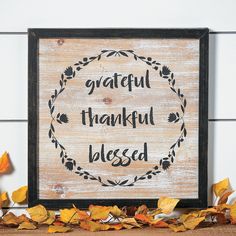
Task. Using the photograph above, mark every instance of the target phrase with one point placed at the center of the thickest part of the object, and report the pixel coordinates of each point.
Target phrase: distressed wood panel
(13, 66)
(13, 139)
(181, 55)
(155, 14)
(222, 76)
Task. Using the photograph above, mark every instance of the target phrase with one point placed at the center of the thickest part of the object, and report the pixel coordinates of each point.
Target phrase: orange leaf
(220, 187)
(82, 215)
(20, 194)
(4, 163)
(99, 212)
(160, 224)
(58, 229)
(116, 226)
(93, 226)
(167, 205)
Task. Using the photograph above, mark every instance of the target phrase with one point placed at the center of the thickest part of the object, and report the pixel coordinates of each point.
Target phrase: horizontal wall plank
(13, 139)
(13, 78)
(222, 84)
(13, 65)
(19, 15)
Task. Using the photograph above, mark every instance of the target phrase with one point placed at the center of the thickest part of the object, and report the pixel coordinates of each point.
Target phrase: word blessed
(124, 118)
(118, 157)
(118, 80)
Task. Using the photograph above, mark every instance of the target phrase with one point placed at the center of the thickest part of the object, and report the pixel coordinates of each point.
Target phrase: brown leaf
(20, 194)
(38, 213)
(26, 225)
(220, 187)
(58, 229)
(167, 205)
(4, 163)
(23, 218)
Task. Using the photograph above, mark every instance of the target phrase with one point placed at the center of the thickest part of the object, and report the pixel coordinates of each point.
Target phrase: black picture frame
(33, 38)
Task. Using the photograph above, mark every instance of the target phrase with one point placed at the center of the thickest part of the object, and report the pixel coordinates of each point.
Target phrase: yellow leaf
(177, 228)
(167, 205)
(20, 194)
(3, 198)
(192, 222)
(220, 187)
(207, 211)
(26, 225)
(116, 211)
(233, 214)
(116, 226)
(50, 219)
(99, 212)
(69, 216)
(10, 219)
(4, 163)
(93, 226)
(130, 223)
(58, 229)
(38, 213)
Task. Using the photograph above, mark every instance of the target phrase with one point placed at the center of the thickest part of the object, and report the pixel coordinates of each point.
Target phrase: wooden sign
(117, 116)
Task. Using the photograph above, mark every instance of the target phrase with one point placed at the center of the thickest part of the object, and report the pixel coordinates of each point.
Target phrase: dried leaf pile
(102, 218)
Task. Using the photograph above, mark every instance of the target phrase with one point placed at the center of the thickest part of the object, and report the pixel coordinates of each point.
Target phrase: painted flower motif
(69, 165)
(172, 117)
(69, 71)
(62, 118)
(165, 70)
(165, 165)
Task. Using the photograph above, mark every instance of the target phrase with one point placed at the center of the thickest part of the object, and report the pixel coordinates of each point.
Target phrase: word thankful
(124, 118)
(117, 156)
(118, 80)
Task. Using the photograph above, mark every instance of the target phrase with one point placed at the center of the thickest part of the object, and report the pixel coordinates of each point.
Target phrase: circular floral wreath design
(61, 118)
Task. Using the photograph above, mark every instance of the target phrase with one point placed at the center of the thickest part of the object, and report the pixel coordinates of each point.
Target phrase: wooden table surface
(211, 231)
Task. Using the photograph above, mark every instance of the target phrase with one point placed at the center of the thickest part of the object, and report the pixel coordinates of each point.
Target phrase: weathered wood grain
(180, 180)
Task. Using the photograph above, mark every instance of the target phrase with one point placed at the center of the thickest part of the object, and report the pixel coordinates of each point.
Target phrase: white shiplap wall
(17, 16)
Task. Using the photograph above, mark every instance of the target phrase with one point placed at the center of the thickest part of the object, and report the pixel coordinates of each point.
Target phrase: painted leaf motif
(20, 194)
(4, 163)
